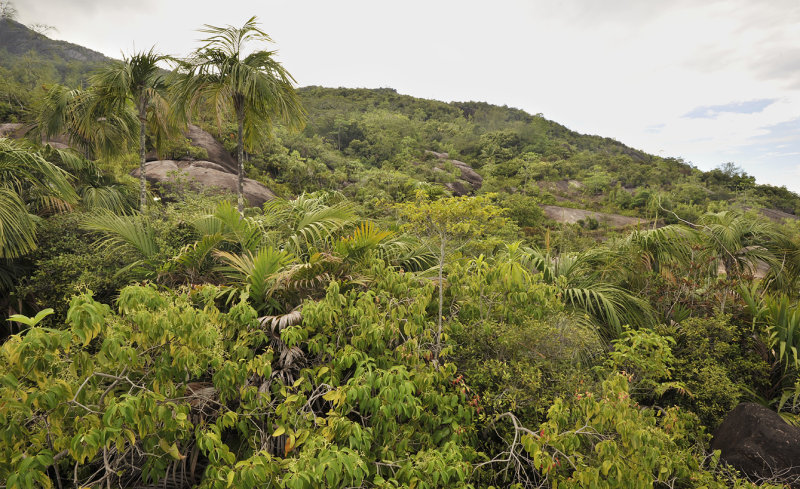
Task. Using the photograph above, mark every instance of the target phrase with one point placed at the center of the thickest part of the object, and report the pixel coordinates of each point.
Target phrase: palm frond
(123, 234)
(258, 272)
(193, 262)
(611, 306)
(225, 220)
(17, 227)
(23, 168)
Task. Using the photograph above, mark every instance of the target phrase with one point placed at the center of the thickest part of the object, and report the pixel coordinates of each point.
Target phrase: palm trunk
(142, 179)
(240, 161)
(441, 300)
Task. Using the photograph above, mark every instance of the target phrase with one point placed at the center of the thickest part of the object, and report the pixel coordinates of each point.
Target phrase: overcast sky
(708, 81)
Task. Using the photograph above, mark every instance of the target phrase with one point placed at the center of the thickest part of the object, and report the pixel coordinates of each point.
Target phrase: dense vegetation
(372, 327)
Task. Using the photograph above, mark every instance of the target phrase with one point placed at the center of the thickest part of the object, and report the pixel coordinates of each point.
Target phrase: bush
(717, 363)
(182, 149)
(67, 263)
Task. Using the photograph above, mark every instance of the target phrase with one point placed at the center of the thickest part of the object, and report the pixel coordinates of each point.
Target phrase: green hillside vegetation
(29, 60)
(382, 323)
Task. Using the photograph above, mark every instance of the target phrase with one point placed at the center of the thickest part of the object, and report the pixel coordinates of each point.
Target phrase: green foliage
(182, 149)
(716, 360)
(453, 218)
(776, 322)
(169, 375)
(303, 344)
(27, 179)
(646, 357)
(605, 439)
(585, 283)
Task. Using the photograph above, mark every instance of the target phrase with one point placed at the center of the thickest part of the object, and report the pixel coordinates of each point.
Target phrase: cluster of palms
(122, 103)
(667, 273)
(131, 97)
(289, 253)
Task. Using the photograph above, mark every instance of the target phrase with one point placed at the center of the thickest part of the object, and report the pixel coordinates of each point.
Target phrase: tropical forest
(211, 277)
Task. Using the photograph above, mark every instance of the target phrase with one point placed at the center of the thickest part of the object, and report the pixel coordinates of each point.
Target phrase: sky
(709, 81)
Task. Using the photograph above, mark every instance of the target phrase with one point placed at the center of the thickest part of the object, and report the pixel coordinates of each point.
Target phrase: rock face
(468, 174)
(759, 443)
(202, 139)
(203, 175)
(15, 130)
(469, 180)
(216, 151)
(11, 130)
(571, 216)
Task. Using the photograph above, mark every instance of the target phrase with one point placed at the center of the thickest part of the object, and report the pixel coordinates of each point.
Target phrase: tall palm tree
(254, 88)
(74, 113)
(137, 81)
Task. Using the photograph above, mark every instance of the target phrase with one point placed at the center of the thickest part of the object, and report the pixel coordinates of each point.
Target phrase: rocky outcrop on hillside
(16, 130)
(216, 151)
(203, 139)
(176, 176)
(568, 215)
(468, 180)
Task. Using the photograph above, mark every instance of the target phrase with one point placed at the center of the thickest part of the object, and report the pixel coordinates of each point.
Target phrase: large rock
(467, 182)
(468, 174)
(759, 443)
(203, 175)
(216, 151)
(16, 130)
(202, 139)
(13, 130)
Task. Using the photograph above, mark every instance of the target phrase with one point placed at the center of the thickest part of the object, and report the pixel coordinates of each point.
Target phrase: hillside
(419, 294)
(351, 134)
(29, 59)
(526, 159)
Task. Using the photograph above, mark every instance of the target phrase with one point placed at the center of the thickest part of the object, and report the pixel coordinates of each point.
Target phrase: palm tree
(139, 81)
(252, 88)
(737, 243)
(586, 283)
(74, 113)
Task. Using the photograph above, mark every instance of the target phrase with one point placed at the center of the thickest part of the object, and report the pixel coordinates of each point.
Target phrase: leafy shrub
(716, 361)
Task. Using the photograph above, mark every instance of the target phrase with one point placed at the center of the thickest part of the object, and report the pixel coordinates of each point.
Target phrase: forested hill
(540, 135)
(377, 144)
(18, 40)
(536, 160)
(29, 59)
(419, 294)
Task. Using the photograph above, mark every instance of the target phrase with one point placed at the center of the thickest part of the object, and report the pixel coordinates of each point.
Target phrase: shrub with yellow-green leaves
(606, 440)
(170, 387)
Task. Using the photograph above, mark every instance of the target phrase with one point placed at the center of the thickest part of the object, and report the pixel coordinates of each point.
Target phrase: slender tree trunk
(240, 161)
(142, 179)
(441, 300)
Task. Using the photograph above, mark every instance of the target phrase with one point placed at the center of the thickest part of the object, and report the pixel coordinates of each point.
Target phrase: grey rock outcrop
(468, 180)
(16, 130)
(759, 443)
(203, 139)
(216, 151)
(203, 176)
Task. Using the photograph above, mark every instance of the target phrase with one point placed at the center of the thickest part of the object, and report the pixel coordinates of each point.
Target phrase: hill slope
(376, 145)
(29, 59)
